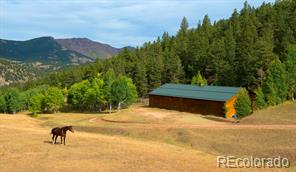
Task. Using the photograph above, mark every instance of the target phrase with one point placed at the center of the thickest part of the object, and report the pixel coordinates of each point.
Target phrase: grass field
(145, 139)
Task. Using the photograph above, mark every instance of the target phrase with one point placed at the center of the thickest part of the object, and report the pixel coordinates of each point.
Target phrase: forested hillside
(27, 59)
(255, 48)
(43, 49)
(16, 71)
(233, 52)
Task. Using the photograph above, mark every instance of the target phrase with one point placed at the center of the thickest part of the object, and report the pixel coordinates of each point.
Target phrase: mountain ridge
(21, 61)
(47, 49)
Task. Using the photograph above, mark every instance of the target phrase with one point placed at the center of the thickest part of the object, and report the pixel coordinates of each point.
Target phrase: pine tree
(260, 99)
(245, 49)
(290, 63)
(269, 91)
(141, 79)
(275, 86)
(279, 77)
(243, 103)
(154, 66)
(199, 80)
(182, 44)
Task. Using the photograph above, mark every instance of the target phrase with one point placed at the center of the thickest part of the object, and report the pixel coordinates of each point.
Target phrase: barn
(206, 100)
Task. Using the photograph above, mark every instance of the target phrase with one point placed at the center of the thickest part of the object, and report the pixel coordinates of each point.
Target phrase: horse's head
(71, 129)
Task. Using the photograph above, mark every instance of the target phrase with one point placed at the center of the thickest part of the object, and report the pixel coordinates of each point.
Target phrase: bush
(243, 103)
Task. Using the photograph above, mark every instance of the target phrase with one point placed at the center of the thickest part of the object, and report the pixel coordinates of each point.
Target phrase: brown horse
(60, 132)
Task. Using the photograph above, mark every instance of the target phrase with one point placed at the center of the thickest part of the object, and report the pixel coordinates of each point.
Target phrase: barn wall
(204, 107)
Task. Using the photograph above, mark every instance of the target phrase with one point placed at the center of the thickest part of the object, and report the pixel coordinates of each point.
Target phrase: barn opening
(206, 100)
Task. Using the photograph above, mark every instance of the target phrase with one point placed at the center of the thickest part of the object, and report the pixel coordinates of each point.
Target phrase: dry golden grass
(26, 147)
(282, 114)
(143, 139)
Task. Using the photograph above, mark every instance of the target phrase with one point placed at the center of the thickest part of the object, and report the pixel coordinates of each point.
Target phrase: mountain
(24, 60)
(88, 47)
(52, 51)
(44, 49)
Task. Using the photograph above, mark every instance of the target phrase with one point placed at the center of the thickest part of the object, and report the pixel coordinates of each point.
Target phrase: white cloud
(116, 22)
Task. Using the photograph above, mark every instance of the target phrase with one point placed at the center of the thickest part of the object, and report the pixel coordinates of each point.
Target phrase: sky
(116, 22)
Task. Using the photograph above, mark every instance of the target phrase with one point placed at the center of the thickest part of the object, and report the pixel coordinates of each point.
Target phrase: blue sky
(116, 22)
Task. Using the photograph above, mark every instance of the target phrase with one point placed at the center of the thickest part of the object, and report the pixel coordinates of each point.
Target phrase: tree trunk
(119, 106)
(110, 107)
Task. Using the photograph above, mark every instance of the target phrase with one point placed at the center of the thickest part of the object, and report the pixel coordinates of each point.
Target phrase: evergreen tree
(245, 49)
(243, 103)
(260, 99)
(290, 63)
(268, 89)
(182, 43)
(229, 77)
(141, 79)
(275, 86)
(199, 80)
(279, 78)
(154, 66)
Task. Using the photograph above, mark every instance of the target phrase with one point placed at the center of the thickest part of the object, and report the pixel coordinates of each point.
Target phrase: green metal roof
(214, 93)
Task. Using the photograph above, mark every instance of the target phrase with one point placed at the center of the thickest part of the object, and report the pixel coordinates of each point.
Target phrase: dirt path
(212, 125)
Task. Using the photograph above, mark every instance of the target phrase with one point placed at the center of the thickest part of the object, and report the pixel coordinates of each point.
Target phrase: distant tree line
(255, 48)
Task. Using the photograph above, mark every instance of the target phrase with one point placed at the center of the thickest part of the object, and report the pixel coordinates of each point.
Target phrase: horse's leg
(61, 139)
(65, 140)
(52, 138)
(55, 139)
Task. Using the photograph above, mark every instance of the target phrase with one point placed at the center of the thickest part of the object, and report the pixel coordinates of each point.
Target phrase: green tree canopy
(2, 104)
(53, 99)
(35, 103)
(124, 91)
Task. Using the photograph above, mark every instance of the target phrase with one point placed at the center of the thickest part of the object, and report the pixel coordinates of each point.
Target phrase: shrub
(243, 103)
